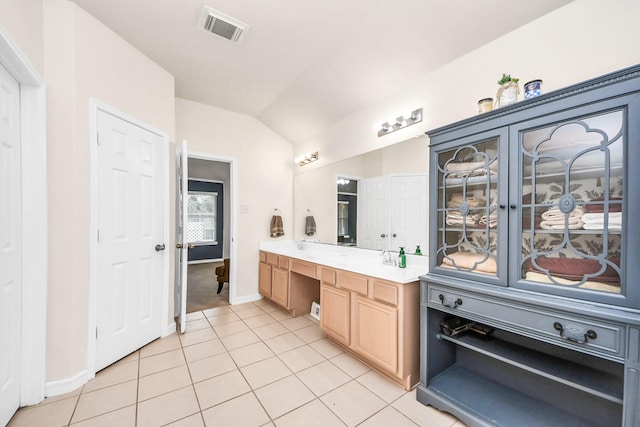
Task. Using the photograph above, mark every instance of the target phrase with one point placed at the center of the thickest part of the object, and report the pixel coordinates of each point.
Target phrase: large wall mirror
(390, 182)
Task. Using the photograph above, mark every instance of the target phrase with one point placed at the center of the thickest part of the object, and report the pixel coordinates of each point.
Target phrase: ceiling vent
(221, 25)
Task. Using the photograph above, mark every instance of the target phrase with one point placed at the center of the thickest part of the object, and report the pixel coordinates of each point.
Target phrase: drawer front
(385, 292)
(263, 256)
(353, 282)
(283, 262)
(304, 268)
(328, 275)
(272, 258)
(566, 329)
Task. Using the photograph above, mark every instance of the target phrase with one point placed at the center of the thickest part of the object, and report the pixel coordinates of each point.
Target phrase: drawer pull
(574, 333)
(450, 302)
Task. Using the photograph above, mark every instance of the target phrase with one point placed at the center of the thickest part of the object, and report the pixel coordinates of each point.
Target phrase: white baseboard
(169, 329)
(55, 388)
(244, 299)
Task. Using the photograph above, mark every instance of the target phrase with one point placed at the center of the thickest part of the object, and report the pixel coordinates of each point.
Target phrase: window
(201, 217)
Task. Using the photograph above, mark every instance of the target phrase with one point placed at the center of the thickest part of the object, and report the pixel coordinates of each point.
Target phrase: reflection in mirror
(315, 190)
(347, 211)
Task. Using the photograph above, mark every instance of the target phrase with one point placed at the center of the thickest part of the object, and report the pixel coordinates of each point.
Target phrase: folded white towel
(598, 218)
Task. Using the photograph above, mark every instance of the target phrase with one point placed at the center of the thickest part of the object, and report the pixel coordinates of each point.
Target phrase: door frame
(166, 317)
(232, 189)
(33, 136)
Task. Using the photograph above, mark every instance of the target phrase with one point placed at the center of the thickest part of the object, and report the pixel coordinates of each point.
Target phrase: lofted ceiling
(306, 64)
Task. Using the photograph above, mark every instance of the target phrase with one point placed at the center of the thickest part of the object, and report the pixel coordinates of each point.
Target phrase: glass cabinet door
(467, 211)
(572, 187)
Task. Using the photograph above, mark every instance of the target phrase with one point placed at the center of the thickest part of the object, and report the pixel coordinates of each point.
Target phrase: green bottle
(402, 258)
(418, 251)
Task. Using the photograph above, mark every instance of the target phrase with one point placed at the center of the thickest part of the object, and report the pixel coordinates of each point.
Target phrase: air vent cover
(221, 25)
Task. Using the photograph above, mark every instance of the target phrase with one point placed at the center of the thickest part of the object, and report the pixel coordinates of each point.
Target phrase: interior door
(373, 213)
(408, 216)
(182, 190)
(130, 238)
(10, 246)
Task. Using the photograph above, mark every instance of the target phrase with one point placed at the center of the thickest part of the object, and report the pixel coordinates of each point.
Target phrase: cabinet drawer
(304, 268)
(328, 275)
(386, 292)
(283, 262)
(353, 282)
(272, 258)
(566, 329)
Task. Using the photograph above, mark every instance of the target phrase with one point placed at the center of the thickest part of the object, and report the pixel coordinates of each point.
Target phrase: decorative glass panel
(467, 208)
(572, 185)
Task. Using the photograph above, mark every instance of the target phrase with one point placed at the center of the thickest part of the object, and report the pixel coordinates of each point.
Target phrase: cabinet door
(280, 286)
(264, 279)
(570, 235)
(375, 332)
(469, 194)
(335, 312)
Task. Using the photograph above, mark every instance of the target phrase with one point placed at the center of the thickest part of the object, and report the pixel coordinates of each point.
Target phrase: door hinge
(96, 333)
(98, 138)
(98, 236)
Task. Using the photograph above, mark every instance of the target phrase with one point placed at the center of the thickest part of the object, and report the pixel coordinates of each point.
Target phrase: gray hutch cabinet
(530, 312)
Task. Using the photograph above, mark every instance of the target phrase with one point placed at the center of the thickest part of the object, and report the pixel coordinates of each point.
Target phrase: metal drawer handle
(450, 302)
(575, 333)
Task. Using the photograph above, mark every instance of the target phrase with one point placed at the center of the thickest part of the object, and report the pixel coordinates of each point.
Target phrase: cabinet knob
(502, 206)
(512, 206)
(394, 235)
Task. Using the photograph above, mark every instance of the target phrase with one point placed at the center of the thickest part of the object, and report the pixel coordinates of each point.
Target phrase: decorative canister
(485, 105)
(532, 89)
(507, 94)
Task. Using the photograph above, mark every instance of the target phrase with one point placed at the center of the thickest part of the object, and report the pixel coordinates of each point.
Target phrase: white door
(408, 217)
(182, 248)
(130, 238)
(10, 246)
(373, 213)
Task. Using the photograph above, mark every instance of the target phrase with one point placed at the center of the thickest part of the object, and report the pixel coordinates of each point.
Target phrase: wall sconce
(400, 122)
(306, 158)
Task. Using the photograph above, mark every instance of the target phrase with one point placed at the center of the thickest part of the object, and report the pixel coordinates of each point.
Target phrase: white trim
(247, 298)
(166, 316)
(34, 212)
(55, 388)
(214, 181)
(206, 261)
(233, 197)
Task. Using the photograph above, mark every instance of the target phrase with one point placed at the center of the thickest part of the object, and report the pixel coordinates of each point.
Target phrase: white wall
(581, 40)
(22, 19)
(84, 60)
(264, 177)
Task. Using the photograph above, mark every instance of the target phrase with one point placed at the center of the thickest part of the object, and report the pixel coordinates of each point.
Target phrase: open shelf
(601, 384)
(495, 403)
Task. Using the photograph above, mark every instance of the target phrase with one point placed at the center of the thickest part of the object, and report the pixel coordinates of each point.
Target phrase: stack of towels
(454, 217)
(594, 219)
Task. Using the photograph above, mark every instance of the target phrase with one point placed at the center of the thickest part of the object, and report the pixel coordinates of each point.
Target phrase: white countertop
(363, 261)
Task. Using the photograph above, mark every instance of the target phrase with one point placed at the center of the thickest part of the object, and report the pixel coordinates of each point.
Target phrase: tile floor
(243, 365)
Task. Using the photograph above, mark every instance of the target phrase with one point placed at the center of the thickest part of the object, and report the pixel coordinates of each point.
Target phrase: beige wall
(22, 20)
(584, 39)
(264, 177)
(83, 61)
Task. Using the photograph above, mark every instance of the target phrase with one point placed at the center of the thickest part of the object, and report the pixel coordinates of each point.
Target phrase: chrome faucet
(388, 258)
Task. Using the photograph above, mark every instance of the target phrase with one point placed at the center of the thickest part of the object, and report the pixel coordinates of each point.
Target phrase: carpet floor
(202, 287)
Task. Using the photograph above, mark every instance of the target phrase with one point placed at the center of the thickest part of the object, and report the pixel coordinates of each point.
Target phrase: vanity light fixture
(306, 158)
(400, 122)
(342, 181)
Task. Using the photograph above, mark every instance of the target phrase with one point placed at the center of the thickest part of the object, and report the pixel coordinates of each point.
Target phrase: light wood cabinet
(335, 311)
(264, 279)
(280, 286)
(375, 332)
(376, 320)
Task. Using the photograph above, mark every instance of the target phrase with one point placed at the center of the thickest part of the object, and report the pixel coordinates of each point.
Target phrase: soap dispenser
(418, 251)
(402, 258)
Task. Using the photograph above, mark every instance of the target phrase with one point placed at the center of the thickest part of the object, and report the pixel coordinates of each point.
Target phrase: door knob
(160, 247)
(383, 235)
(394, 235)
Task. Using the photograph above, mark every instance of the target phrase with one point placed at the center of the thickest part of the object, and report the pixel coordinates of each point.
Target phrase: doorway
(209, 183)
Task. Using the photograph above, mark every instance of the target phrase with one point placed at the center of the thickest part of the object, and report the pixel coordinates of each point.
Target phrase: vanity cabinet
(530, 312)
(375, 320)
(288, 282)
